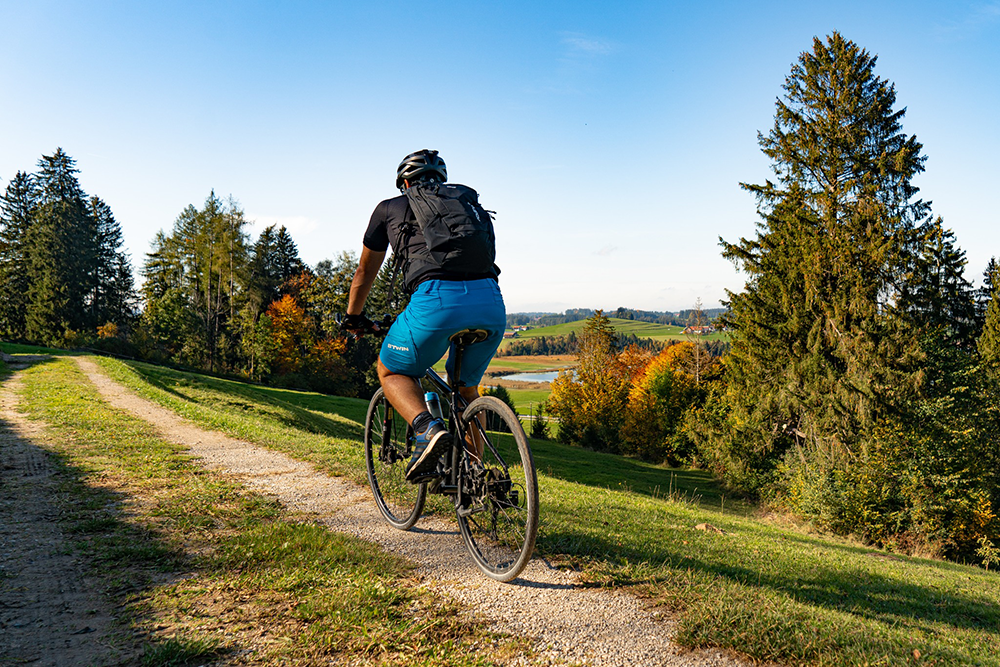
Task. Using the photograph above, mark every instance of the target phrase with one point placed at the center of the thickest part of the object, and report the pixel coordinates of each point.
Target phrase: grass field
(531, 364)
(626, 327)
(524, 399)
(763, 587)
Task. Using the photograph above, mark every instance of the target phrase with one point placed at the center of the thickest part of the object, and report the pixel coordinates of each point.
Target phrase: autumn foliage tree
(661, 395)
(590, 404)
(292, 339)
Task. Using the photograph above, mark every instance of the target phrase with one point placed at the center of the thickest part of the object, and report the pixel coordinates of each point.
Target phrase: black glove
(356, 323)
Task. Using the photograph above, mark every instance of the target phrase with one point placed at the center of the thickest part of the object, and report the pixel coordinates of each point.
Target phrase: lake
(531, 377)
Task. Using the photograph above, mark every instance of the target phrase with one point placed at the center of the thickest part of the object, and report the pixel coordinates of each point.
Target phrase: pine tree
(17, 209)
(989, 338)
(113, 295)
(991, 278)
(62, 252)
(815, 345)
(936, 294)
(287, 261)
(274, 261)
(263, 283)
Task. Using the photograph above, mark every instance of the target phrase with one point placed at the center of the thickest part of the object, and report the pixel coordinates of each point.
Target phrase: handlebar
(379, 328)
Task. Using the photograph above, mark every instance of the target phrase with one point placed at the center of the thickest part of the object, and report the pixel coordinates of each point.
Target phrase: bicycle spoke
(387, 442)
(500, 532)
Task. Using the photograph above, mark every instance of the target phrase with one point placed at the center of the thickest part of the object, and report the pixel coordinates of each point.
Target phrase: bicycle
(495, 492)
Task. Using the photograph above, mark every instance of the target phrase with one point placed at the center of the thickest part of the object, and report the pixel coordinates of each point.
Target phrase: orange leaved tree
(661, 394)
(291, 337)
(591, 404)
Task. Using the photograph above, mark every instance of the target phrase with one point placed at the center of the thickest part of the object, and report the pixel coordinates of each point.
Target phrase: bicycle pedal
(434, 484)
(465, 512)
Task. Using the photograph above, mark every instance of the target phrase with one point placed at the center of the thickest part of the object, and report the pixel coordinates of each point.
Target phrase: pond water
(532, 377)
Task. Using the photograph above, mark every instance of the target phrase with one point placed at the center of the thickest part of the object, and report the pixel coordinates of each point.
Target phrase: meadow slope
(760, 586)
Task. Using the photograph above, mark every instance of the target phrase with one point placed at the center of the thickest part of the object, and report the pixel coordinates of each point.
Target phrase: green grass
(524, 399)
(181, 651)
(759, 587)
(198, 565)
(769, 591)
(325, 430)
(15, 348)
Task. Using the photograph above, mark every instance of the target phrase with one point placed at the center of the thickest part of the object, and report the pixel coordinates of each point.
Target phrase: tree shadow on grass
(116, 557)
(853, 588)
(600, 469)
(241, 399)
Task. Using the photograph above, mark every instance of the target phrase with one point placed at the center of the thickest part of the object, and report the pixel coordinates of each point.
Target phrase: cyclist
(442, 303)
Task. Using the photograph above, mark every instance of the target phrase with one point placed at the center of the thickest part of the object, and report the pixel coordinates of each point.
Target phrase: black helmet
(420, 163)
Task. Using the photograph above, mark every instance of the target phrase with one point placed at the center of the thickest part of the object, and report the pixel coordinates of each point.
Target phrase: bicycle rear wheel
(499, 520)
(388, 447)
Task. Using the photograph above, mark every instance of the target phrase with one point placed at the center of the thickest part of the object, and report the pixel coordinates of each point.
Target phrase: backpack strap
(396, 263)
(399, 258)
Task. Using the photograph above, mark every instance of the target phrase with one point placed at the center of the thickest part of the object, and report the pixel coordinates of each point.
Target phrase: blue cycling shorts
(439, 308)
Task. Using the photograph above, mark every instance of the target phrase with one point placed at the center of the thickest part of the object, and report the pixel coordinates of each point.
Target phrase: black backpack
(458, 231)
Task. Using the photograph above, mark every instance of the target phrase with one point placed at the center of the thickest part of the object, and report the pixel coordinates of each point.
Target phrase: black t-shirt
(393, 223)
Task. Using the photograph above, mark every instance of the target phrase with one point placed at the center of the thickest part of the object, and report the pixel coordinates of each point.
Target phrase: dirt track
(568, 621)
(51, 613)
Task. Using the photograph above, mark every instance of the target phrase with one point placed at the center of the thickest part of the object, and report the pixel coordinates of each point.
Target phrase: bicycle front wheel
(388, 447)
(499, 516)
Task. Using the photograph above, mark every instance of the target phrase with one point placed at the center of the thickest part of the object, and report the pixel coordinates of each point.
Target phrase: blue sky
(610, 138)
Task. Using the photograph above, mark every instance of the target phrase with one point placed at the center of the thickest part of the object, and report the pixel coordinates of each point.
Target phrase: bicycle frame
(456, 402)
(496, 504)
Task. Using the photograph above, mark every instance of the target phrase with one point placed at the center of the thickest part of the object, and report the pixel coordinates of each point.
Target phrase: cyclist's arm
(364, 278)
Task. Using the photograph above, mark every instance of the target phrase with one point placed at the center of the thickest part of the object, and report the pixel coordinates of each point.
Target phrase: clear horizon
(610, 142)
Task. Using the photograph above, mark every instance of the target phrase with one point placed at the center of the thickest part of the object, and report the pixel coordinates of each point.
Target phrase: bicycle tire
(500, 523)
(399, 501)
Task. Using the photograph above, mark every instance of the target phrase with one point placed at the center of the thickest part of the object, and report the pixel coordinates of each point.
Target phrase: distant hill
(679, 319)
(660, 332)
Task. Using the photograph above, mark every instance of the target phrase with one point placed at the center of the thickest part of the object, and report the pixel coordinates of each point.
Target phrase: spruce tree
(989, 337)
(62, 248)
(263, 283)
(113, 295)
(936, 295)
(17, 209)
(991, 278)
(816, 345)
(274, 261)
(287, 261)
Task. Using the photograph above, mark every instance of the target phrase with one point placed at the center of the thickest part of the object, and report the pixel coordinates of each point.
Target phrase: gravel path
(51, 612)
(568, 621)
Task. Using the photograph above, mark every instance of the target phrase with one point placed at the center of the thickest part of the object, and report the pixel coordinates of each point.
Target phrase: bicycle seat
(469, 336)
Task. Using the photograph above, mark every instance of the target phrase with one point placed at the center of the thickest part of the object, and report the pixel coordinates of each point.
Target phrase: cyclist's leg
(416, 340)
(412, 345)
(403, 392)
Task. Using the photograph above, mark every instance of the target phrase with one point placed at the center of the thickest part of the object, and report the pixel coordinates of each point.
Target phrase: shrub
(539, 426)
(502, 394)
